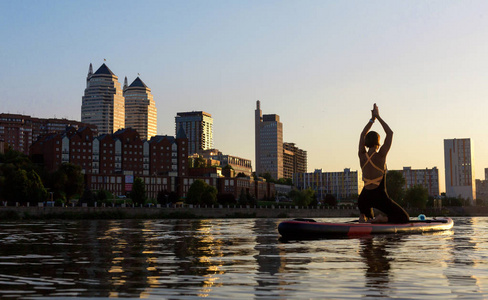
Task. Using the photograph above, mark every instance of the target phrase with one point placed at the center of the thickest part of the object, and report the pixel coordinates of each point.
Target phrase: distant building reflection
(461, 269)
(268, 259)
(197, 256)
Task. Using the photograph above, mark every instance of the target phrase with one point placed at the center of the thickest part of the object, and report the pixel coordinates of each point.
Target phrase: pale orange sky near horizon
(320, 65)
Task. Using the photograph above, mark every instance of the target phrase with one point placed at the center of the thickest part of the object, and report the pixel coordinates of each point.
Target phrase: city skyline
(319, 65)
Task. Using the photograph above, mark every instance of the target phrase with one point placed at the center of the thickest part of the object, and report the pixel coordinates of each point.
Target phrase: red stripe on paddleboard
(359, 230)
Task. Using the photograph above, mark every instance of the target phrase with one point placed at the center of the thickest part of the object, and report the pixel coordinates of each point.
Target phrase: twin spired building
(110, 108)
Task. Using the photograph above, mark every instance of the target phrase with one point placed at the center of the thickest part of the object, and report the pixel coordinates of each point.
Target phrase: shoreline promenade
(32, 212)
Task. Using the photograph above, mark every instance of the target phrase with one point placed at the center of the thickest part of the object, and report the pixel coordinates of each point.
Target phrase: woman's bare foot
(380, 219)
(364, 219)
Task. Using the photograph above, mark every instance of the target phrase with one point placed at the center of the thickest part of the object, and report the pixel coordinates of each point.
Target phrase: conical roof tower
(140, 108)
(103, 104)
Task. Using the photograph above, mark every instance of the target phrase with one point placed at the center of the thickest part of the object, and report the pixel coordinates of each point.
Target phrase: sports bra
(375, 181)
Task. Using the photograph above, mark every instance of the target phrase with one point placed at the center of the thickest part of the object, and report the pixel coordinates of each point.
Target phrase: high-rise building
(294, 160)
(103, 103)
(428, 178)
(459, 169)
(198, 127)
(268, 143)
(482, 189)
(140, 109)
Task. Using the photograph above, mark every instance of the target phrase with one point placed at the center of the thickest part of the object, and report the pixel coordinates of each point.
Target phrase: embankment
(22, 213)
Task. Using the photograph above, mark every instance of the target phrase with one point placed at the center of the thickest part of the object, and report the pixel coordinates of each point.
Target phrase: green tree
(268, 177)
(102, 196)
(209, 196)
(315, 201)
(302, 198)
(285, 181)
(16, 158)
(59, 197)
(395, 186)
(194, 195)
(228, 171)
(243, 200)
(417, 196)
(251, 199)
(37, 192)
(453, 201)
(201, 193)
(69, 180)
(15, 188)
(24, 186)
(199, 162)
(88, 197)
(138, 194)
(19, 178)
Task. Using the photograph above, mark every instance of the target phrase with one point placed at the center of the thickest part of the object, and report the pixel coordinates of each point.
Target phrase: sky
(320, 65)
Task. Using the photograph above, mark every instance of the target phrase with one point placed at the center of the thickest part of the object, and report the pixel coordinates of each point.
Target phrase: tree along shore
(70, 213)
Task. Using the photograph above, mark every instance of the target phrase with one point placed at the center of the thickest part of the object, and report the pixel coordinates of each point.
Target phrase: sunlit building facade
(459, 169)
(482, 189)
(294, 160)
(343, 186)
(427, 178)
(268, 143)
(103, 103)
(238, 164)
(140, 109)
(198, 127)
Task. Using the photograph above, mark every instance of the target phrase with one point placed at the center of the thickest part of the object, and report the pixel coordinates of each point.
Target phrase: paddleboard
(309, 228)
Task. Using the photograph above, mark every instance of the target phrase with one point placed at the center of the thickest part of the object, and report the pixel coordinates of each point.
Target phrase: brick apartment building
(112, 161)
(20, 131)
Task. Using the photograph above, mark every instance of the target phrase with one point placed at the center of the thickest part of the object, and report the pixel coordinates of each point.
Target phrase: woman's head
(372, 139)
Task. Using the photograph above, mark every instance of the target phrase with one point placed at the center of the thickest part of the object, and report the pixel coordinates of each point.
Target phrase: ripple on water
(242, 259)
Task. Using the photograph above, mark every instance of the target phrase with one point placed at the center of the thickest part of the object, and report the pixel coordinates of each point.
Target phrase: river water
(235, 258)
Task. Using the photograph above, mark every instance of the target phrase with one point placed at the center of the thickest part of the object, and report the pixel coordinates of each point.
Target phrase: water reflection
(375, 252)
(461, 273)
(178, 259)
(270, 259)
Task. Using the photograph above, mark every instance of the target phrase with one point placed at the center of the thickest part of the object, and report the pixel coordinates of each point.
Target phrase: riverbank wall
(22, 212)
(170, 212)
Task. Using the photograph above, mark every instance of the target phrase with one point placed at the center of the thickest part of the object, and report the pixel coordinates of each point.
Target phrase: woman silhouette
(373, 165)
